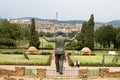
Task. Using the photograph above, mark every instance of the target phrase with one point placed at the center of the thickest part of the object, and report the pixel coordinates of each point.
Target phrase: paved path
(53, 62)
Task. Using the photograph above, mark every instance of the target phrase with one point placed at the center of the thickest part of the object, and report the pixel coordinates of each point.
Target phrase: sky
(103, 10)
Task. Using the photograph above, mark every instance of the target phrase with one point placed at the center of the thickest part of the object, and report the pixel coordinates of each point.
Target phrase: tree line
(105, 36)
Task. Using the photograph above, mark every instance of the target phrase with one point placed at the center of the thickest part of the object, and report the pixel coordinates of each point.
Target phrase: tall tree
(90, 33)
(34, 37)
(81, 38)
(86, 36)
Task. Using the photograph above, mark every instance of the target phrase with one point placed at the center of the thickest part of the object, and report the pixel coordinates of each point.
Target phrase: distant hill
(55, 21)
(1, 19)
(114, 23)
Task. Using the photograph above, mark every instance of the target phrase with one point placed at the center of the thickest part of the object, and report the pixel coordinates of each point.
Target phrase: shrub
(49, 60)
(70, 62)
(49, 46)
(11, 52)
(72, 53)
(45, 53)
(32, 53)
(89, 54)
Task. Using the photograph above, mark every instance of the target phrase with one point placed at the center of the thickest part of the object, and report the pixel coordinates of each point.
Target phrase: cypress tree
(81, 38)
(90, 33)
(34, 37)
(86, 36)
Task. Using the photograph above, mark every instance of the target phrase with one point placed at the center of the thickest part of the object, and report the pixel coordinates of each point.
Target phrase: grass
(44, 43)
(30, 72)
(94, 60)
(93, 73)
(15, 59)
(12, 59)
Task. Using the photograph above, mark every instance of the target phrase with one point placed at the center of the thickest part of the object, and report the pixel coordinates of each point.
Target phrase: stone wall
(82, 72)
(41, 73)
(105, 73)
(7, 72)
(19, 71)
(114, 74)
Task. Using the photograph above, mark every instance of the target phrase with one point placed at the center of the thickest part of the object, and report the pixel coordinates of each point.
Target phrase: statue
(59, 41)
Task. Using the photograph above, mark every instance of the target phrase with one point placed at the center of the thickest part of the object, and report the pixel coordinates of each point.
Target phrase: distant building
(45, 26)
(72, 29)
(22, 22)
(65, 27)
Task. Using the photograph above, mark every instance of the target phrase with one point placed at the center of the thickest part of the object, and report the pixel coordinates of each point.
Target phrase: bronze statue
(59, 41)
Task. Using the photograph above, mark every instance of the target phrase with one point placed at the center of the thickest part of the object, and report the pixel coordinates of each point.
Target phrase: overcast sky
(103, 10)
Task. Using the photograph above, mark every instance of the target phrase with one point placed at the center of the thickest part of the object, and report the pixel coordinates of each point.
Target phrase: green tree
(81, 38)
(86, 36)
(10, 33)
(90, 33)
(41, 33)
(106, 35)
(48, 34)
(34, 37)
(72, 34)
(118, 40)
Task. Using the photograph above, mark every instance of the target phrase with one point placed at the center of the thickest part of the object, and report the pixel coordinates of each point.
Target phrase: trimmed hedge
(32, 53)
(72, 53)
(49, 60)
(45, 53)
(11, 52)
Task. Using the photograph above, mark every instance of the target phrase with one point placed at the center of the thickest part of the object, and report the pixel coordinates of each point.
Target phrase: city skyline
(103, 10)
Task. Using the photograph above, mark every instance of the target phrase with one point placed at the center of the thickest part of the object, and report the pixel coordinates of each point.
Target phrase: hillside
(73, 22)
(114, 23)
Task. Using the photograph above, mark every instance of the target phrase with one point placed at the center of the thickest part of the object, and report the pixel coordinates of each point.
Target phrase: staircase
(68, 72)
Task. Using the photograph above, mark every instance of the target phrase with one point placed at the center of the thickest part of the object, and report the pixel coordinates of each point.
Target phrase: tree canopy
(10, 33)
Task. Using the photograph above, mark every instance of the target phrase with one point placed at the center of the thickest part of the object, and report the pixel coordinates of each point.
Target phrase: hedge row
(12, 52)
(80, 54)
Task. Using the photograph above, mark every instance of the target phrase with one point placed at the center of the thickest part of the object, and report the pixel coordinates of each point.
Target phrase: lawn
(44, 43)
(13, 59)
(94, 60)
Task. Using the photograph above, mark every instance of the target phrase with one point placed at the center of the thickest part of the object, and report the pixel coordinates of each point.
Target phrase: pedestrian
(74, 64)
(77, 63)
